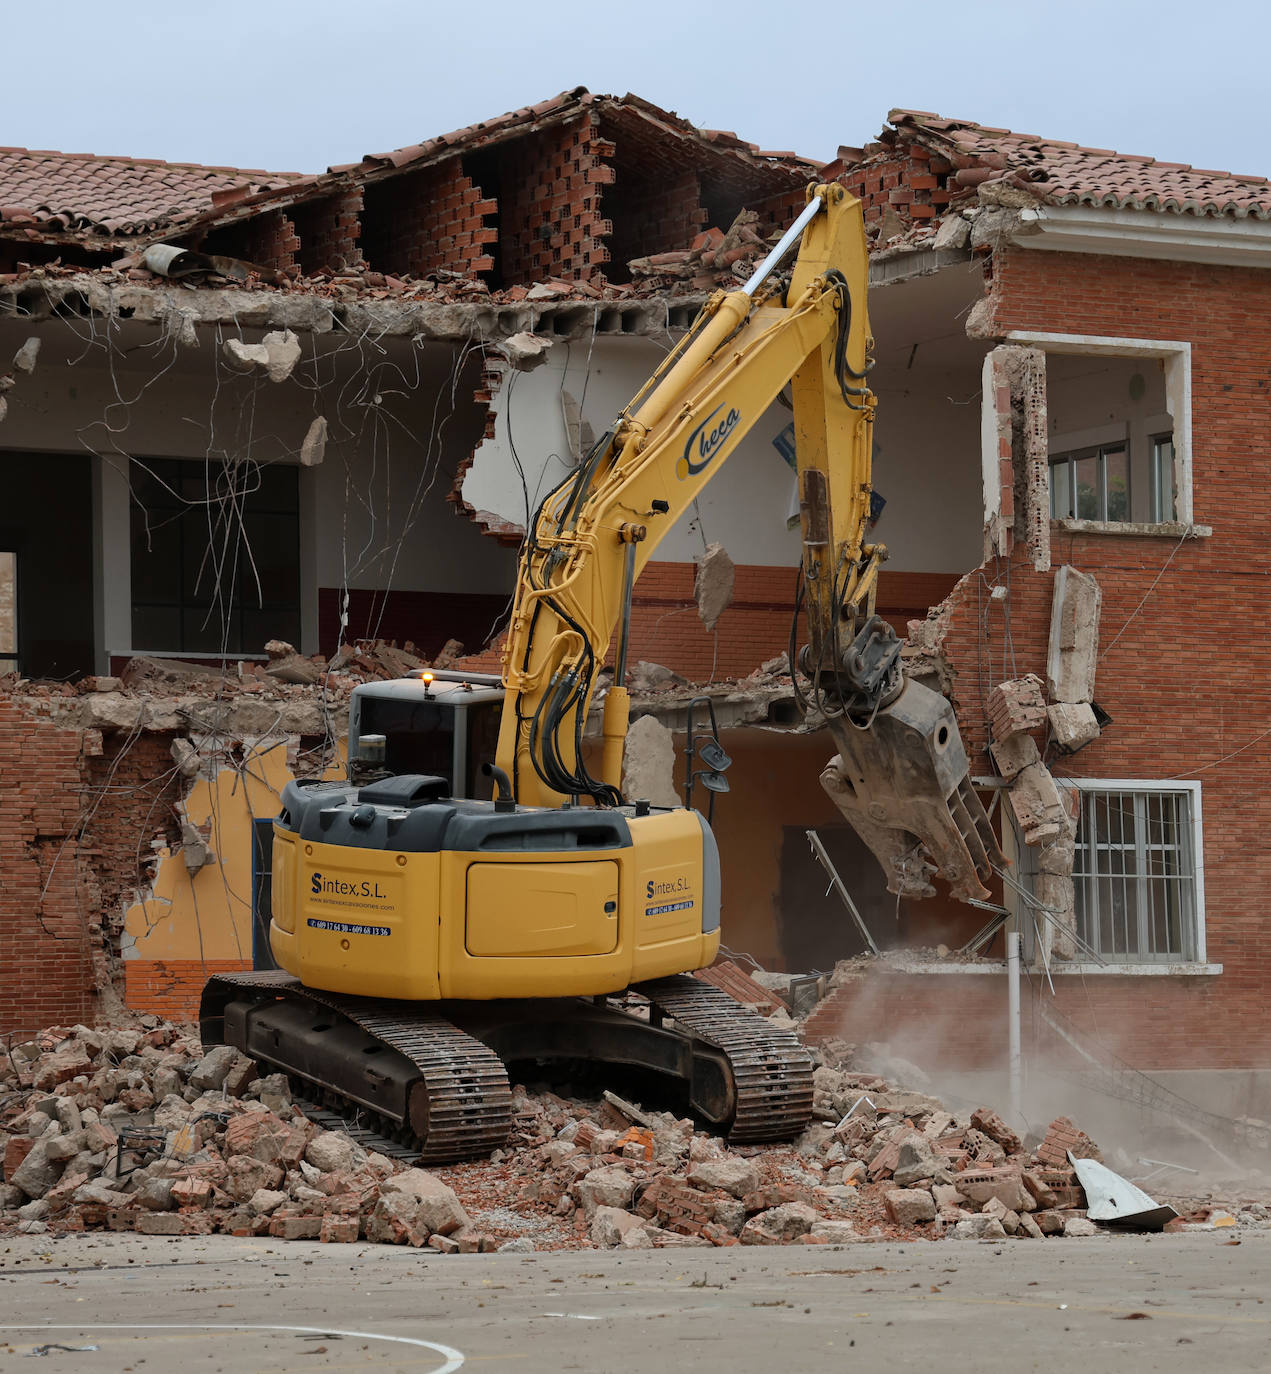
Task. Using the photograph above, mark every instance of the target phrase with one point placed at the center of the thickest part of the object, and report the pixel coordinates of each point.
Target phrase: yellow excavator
(429, 936)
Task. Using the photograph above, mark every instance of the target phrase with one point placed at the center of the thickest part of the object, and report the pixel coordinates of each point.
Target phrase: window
(1091, 484)
(215, 556)
(8, 612)
(1136, 874)
(1163, 491)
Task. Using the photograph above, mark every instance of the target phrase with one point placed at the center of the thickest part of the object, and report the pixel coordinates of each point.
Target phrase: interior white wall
(927, 457)
(373, 513)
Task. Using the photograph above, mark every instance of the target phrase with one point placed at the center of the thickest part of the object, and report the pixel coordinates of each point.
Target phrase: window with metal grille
(1137, 872)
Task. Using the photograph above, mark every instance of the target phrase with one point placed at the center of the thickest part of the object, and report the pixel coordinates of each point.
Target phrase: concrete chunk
(1073, 652)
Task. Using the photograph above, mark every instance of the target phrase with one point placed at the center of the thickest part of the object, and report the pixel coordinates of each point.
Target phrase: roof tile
(117, 195)
(1071, 174)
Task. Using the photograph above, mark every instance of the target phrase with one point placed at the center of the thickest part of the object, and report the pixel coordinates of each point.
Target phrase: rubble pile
(136, 1129)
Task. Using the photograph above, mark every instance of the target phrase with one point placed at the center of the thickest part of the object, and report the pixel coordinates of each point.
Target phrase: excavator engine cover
(902, 783)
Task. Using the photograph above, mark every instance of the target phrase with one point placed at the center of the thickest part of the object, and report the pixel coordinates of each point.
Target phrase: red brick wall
(431, 219)
(653, 214)
(666, 629)
(911, 180)
(172, 987)
(328, 231)
(267, 240)
(550, 221)
(48, 895)
(1188, 680)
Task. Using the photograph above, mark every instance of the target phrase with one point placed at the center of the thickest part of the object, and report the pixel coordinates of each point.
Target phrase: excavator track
(465, 1109)
(772, 1071)
(443, 1095)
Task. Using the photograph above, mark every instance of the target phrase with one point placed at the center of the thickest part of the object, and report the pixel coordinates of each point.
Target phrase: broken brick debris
(137, 1129)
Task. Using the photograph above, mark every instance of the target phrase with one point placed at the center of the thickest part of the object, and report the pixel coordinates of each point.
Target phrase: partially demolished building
(247, 409)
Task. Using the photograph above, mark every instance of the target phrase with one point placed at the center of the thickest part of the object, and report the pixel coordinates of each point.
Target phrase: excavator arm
(900, 776)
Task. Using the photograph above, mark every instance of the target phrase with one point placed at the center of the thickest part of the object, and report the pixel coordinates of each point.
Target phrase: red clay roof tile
(1070, 174)
(116, 195)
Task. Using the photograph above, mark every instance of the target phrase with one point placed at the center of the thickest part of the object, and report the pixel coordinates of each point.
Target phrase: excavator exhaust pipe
(902, 781)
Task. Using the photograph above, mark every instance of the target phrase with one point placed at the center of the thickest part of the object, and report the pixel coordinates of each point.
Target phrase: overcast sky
(297, 86)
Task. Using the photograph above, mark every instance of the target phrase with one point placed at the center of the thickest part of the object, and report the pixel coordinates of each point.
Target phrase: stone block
(437, 1208)
(910, 1206)
(780, 1225)
(1005, 1183)
(1072, 725)
(736, 1176)
(610, 1186)
(610, 1224)
(1013, 754)
(1073, 652)
(295, 1228)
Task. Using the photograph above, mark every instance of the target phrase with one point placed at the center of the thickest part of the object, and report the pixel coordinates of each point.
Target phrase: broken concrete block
(246, 1176)
(986, 1120)
(835, 1232)
(910, 1206)
(314, 446)
(245, 357)
(648, 763)
(437, 1208)
(37, 1173)
(210, 1071)
(609, 1225)
(1004, 1183)
(978, 1228)
(1073, 652)
(522, 1245)
(713, 585)
(1039, 810)
(780, 1225)
(330, 1152)
(1072, 724)
(1080, 1226)
(24, 358)
(282, 349)
(919, 1160)
(610, 1186)
(1016, 707)
(735, 1176)
(1013, 754)
(525, 351)
(954, 232)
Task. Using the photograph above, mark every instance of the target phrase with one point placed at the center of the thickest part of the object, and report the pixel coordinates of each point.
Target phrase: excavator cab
(433, 722)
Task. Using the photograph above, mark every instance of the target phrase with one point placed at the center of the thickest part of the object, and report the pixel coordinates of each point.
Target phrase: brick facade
(432, 219)
(172, 987)
(1182, 704)
(549, 195)
(77, 814)
(329, 231)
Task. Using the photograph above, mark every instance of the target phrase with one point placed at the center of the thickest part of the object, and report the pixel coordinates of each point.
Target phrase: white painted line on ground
(454, 1359)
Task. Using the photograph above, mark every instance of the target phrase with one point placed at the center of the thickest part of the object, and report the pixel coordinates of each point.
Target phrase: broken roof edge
(529, 119)
(1059, 172)
(107, 293)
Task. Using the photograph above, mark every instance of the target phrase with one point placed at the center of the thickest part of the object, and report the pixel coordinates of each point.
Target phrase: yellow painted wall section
(207, 915)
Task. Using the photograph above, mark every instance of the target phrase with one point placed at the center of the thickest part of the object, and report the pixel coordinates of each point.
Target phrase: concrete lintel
(89, 294)
(919, 262)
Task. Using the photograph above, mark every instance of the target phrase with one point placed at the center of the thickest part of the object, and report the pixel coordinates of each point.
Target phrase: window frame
(171, 508)
(1194, 842)
(1176, 354)
(1100, 453)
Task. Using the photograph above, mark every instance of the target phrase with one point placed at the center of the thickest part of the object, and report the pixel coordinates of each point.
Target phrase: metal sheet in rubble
(1115, 1201)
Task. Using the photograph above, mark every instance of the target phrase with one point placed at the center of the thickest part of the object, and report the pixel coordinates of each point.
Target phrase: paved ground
(149, 1305)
